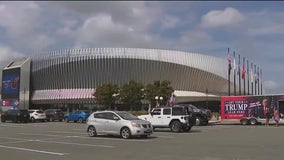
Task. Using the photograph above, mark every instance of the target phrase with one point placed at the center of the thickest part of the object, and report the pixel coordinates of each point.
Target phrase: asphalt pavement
(69, 141)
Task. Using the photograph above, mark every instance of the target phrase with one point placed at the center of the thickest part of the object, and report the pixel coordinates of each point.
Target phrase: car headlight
(136, 124)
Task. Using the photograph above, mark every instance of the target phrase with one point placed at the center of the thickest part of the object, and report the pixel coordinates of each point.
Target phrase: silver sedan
(117, 123)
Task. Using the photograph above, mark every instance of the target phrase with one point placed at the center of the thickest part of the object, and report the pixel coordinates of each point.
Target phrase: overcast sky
(255, 30)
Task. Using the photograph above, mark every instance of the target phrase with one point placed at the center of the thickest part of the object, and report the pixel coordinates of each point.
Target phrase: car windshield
(24, 112)
(40, 112)
(86, 111)
(127, 116)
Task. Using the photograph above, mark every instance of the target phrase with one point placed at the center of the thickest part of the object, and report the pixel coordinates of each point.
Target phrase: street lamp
(24, 98)
(157, 100)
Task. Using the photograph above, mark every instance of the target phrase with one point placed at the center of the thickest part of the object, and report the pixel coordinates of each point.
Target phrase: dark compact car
(201, 115)
(54, 114)
(16, 115)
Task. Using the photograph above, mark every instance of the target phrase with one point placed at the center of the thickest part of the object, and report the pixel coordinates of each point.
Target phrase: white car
(117, 123)
(177, 118)
(37, 115)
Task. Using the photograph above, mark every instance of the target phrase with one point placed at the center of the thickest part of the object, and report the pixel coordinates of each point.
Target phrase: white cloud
(265, 23)
(195, 38)
(101, 30)
(219, 18)
(135, 14)
(268, 30)
(6, 53)
(169, 22)
(19, 18)
(23, 25)
(270, 85)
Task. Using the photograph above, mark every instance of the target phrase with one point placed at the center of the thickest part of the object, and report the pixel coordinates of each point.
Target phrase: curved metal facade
(85, 69)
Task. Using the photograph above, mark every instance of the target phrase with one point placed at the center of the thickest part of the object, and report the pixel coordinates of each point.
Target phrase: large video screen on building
(10, 83)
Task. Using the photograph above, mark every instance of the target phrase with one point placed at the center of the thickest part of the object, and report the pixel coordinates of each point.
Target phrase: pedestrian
(276, 116)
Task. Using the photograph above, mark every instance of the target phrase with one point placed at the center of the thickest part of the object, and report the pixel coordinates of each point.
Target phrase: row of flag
(253, 72)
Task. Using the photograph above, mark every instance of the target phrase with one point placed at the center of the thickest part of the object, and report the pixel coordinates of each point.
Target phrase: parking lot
(59, 140)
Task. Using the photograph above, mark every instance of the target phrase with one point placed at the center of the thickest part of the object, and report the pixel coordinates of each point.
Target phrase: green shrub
(138, 113)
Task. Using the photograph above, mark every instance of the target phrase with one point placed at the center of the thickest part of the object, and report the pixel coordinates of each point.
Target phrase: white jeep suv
(176, 118)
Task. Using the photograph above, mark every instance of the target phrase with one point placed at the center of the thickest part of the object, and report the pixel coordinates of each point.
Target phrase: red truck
(251, 109)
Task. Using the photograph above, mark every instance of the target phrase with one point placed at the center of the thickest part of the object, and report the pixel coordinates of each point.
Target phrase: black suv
(54, 114)
(16, 115)
(201, 115)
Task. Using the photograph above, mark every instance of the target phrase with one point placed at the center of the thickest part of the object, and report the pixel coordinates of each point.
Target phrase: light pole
(157, 98)
(24, 98)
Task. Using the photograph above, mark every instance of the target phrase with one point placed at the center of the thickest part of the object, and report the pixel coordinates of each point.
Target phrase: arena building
(69, 77)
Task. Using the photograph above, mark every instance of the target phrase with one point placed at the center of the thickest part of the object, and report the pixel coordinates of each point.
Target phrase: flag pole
(251, 77)
(229, 72)
(234, 70)
(258, 80)
(248, 75)
(255, 80)
(244, 75)
(239, 73)
(261, 81)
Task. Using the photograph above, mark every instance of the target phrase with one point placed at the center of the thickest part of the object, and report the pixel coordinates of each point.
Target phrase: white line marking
(14, 142)
(46, 135)
(67, 132)
(79, 144)
(111, 139)
(103, 138)
(32, 150)
(15, 138)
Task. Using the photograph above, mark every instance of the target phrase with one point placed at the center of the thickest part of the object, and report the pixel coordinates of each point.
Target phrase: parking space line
(67, 132)
(47, 135)
(78, 144)
(5, 125)
(72, 136)
(14, 138)
(111, 139)
(14, 142)
(32, 150)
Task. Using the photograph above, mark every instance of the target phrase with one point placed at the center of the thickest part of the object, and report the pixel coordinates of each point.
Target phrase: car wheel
(175, 126)
(244, 121)
(125, 133)
(66, 120)
(253, 121)
(92, 131)
(80, 120)
(198, 121)
(33, 119)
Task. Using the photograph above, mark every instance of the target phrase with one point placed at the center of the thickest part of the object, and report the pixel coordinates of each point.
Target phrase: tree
(160, 89)
(131, 95)
(105, 94)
